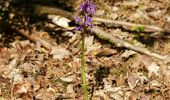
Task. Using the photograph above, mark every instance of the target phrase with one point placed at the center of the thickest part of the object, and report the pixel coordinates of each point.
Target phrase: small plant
(85, 21)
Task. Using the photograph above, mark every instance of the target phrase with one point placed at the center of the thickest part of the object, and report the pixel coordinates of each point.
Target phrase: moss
(138, 28)
(104, 38)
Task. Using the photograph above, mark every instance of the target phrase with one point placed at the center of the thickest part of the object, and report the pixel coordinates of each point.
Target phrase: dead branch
(129, 26)
(122, 43)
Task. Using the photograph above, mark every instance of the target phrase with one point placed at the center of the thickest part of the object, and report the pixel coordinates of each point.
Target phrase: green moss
(104, 38)
(138, 28)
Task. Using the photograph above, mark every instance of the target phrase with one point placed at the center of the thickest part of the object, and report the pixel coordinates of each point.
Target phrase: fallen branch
(122, 43)
(129, 26)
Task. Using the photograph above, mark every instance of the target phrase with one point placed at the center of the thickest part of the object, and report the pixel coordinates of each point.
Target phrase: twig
(129, 26)
(122, 43)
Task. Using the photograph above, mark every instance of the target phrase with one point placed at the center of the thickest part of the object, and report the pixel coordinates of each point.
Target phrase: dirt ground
(40, 52)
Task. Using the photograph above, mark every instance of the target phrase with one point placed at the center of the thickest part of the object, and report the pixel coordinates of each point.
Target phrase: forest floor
(127, 54)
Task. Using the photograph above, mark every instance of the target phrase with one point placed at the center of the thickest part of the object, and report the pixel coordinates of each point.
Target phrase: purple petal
(78, 28)
(91, 8)
(82, 6)
(88, 18)
(78, 19)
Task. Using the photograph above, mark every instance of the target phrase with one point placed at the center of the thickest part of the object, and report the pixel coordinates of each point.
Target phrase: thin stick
(128, 25)
(122, 43)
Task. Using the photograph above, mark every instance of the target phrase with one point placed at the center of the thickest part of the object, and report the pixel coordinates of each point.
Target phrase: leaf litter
(28, 70)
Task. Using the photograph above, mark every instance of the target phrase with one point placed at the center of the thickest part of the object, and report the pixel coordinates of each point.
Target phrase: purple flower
(88, 21)
(78, 28)
(78, 19)
(91, 9)
(87, 10)
(88, 7)
(84, 5)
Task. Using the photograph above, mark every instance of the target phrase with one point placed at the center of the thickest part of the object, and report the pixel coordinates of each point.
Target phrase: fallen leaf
(107, 51)
(67, 33)
(68, 79)
(132, 81)
(155, 83)
(59, 53)
(128, 53)
(145, 97)
(157, 13)
(21, 88)
(70, 88)
(61, 21)
(89, 43)
(101, 93)
(116, 96)
(153, 69)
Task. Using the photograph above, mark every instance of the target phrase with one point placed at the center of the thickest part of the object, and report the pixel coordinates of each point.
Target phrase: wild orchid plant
(87, 10)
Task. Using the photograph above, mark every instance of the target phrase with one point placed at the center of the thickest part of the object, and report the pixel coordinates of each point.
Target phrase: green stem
(84, 85)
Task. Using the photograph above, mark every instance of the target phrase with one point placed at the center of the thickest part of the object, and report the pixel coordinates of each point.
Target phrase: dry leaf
(116, 96)
(59, 53)
(145, 97)
(68, 79)
(155, 83)
(153, 69)
(132, 81)
(106, 52)
(67, 33)
(61, 21)
(101, 93)
(21, 88)
(157, 14)
(128, 53)
(24, 43)
(70, 88)
(89, 43)
(130, 3)
(146, 60)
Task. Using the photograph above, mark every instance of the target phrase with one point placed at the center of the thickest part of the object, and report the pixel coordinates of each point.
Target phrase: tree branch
(129, 26)
(122, 43)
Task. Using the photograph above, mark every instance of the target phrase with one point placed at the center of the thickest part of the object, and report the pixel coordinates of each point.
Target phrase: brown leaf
(59, 53)
(145, 97)
(21, 88)
(132, 81)
(106, 52)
